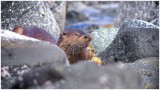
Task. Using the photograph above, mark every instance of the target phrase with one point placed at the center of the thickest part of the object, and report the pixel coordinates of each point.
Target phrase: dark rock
(146, 10)
(86, 26)
(87, 75)
(131, 44)
(9, 74)
(30, 13)
(149, 71)
(18, 49)
(79, 76)
(37, 77)
(74, 17)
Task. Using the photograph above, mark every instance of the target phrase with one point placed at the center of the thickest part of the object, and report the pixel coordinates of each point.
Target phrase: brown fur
(74, 42)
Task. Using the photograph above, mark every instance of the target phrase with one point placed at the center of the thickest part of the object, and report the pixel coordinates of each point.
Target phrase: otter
(73, 41)
(35, 32)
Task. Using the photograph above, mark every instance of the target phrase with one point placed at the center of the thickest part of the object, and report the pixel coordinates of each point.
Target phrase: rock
(38, 77)
(9, 74)
(31, 14)
(147, 11)
(18, 49)
(131, 44)
(99, 14)
(58, 8)
(81, 75)
(136, 23)
(102, 38)
(85, 26)
(74, 17)
(149, 71)
(87, 75)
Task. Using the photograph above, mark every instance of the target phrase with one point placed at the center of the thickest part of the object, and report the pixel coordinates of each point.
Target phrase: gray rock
(146, 10)
(36, 13)
(38, 77)
(58, 8)
(9, 74)
(18, 49)
(136, 23)
(131, 44)
(102, 38)
(87, 75)
(149, 71)
(82, 75)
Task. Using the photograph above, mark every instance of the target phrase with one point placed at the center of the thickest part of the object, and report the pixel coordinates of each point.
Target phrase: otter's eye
(64, 33)
(77, 34)
(85, 37)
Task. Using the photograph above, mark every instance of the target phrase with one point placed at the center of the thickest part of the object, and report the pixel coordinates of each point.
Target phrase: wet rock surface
(149, 71)
(28, 14)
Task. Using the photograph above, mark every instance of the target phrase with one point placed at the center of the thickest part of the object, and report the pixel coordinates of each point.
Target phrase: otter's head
(72, 41)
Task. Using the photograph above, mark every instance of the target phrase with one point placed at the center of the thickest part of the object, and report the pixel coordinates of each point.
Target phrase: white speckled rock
(102, 38)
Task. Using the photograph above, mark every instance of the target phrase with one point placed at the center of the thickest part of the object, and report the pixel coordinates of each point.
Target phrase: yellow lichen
(96, 60)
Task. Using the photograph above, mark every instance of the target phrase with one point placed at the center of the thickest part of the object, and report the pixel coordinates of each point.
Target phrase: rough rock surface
(102, 38)
(131, 44)
(83, 75)
(20, 54)
(136, 23)
(17, 50)
(86, 75)
(37, 13)
(146, 10)
(149, 71)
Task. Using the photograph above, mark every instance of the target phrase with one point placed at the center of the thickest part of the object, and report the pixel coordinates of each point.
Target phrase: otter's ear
(18, 29)
(63, 34)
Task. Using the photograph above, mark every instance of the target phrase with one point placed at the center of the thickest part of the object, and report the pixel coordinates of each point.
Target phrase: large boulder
(20, 54)
(18, 49)
(135, 39)
(86, 75)
(82, 75)
(40, 14)
(132, 44)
